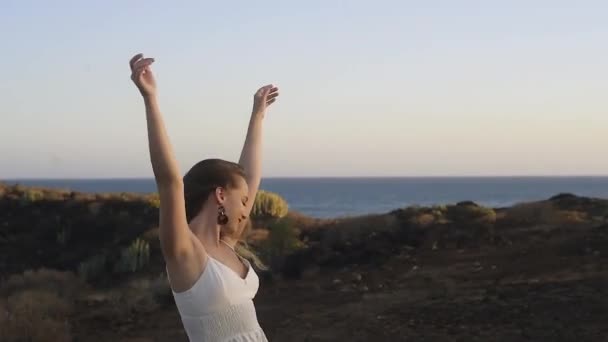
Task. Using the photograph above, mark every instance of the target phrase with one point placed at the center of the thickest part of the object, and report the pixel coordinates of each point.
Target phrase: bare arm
(175, 237)
(174, 231)
(251, 155)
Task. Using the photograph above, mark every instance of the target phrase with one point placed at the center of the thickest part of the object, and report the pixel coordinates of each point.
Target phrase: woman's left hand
(263, 98)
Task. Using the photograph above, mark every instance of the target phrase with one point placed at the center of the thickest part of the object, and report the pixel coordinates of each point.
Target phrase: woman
(203, 217)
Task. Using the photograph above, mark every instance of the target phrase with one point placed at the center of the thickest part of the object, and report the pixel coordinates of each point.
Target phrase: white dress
(219, 306)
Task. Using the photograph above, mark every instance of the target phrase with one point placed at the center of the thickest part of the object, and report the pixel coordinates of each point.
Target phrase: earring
(222, 219)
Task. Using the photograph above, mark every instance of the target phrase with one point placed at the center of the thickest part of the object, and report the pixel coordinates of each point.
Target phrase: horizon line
(326, 177)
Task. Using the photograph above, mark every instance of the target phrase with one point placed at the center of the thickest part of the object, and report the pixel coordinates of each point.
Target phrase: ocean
(336, 197)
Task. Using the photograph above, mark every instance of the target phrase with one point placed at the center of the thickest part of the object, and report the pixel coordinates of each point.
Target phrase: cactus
(93, 267)
(269, 204)
(134, 257)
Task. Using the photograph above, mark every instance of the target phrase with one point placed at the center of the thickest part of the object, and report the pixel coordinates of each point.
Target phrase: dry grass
(423, 220)
(543, 213)
(357, 230)
(37, 306)
(32, 194)
(65, 284)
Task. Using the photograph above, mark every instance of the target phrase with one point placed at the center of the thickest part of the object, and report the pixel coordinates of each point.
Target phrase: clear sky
(368, 88)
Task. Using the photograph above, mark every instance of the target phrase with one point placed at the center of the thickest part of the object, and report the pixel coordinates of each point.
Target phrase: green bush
(154, 201)
(63, 236)
(31, 195)
(93, 268)
(133, 258)
(269, 204)
(471, 213)
(283, 239)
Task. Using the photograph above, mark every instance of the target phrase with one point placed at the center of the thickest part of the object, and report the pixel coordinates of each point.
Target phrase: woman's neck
(230, 242)
(208, 232)
(205, 229)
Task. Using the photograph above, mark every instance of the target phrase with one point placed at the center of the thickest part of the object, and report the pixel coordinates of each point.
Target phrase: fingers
(137, 73)
(135, 59)
(143, 62)
(140, 67)
(138, 61)
(271, 101)
(263, 91)
(272, 96)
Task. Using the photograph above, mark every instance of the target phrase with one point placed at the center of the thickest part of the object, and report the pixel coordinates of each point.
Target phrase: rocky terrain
(87, 267)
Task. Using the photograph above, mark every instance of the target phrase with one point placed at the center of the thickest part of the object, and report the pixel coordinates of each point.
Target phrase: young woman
(203, 218)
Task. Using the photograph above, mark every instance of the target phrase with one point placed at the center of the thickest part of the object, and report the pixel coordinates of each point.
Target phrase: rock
(415, 268)
(337, 281)
(364, 289)
(357, 277)
(596, 253)
(493, 267)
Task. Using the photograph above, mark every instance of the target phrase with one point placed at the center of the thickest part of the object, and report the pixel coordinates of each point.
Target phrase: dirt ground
(553, 287)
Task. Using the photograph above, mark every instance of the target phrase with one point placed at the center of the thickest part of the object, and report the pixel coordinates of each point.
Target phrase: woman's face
(235, 201)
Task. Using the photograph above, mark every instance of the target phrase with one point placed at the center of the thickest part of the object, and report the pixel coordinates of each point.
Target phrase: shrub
(63, 283)
(63, 236)
(134, 257)
(93, 268)
(471, 213)
(283, 238)
(153, 201)
(543, 213)
(37, 305)
(423, 220)
(32, 195)
(36, 316)
(269, 204)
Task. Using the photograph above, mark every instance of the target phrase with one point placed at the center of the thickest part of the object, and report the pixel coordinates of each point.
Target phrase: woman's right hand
(142, 76)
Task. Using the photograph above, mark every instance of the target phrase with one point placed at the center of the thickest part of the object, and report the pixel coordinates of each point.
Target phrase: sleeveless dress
(219, 306)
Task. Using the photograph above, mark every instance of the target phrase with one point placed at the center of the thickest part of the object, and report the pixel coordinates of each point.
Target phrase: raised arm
(251, 156)
(175, 237)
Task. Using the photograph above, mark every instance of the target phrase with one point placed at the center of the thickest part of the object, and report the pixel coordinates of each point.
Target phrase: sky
(383, 88)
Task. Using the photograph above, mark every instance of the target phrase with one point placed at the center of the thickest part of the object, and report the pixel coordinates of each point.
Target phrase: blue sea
(335, 197)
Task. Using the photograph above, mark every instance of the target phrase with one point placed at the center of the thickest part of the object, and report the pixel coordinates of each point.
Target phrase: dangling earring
(222, 219)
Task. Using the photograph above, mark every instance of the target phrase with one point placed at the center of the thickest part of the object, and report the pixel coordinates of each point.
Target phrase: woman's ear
(220, 195)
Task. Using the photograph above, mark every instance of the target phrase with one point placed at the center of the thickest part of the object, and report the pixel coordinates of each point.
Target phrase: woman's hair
(202, 180)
